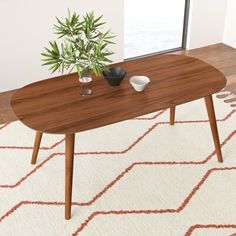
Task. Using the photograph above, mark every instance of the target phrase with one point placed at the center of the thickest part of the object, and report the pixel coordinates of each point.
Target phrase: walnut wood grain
(213, 124)
(55, 105)
(172, 115)
(69, 163)
(37, 141)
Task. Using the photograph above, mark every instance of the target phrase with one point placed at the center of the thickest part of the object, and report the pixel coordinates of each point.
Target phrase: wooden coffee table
(55, 105)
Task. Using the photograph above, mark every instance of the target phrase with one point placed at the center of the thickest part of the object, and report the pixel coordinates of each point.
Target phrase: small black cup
(114, 76)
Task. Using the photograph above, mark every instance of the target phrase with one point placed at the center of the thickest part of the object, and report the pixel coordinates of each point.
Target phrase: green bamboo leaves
(84, 45)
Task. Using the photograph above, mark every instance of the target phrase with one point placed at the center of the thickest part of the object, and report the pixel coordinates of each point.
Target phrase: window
(152, 26)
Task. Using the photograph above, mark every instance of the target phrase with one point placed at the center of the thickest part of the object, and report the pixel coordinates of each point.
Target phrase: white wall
(26, 27)
(230, 24)
(206, 22)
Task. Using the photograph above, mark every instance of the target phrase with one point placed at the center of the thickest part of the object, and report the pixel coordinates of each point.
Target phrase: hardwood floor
(220, 56)
(223, 58)
(6, 113)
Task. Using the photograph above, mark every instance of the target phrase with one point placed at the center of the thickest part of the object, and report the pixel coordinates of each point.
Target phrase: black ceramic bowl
(114, 76)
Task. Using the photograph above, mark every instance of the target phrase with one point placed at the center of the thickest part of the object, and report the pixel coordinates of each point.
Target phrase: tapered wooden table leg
(69, 162)
(37, 141)
(172, 115)
(214, 130)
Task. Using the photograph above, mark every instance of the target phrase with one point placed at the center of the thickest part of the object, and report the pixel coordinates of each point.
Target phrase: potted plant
(84, 46)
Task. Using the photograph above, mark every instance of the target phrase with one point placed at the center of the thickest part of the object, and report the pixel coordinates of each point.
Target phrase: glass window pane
(152, 26)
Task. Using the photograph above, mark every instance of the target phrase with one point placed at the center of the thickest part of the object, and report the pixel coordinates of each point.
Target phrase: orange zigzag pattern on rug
(124, 151)
(123, 212)
(211, 226)
(31, 148)
(116, 180)
(160, 211)
(121, 152)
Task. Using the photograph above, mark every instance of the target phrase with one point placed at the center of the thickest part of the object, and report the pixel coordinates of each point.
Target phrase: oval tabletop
(56, 106)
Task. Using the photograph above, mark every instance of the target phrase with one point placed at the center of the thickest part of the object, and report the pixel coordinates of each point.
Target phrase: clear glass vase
(85, 85)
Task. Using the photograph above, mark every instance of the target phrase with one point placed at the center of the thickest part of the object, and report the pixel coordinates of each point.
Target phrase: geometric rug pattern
(137, 177)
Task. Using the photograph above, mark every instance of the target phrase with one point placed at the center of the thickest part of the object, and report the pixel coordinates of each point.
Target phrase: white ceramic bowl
(85, 79)
(139, 82)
